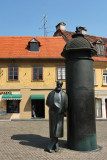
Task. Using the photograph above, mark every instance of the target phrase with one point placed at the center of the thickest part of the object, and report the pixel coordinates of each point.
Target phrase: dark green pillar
(81, 127)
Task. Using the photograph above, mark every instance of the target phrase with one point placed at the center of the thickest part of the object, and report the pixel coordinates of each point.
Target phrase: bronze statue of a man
(57, 101)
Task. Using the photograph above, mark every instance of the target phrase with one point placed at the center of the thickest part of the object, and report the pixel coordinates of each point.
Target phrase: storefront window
(13, 106)
(98, 108)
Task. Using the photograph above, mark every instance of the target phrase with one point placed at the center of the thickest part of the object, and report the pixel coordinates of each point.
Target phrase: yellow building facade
(26, 86)
(100, 89)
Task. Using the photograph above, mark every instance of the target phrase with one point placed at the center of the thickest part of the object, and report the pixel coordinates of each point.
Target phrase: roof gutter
(32, 58)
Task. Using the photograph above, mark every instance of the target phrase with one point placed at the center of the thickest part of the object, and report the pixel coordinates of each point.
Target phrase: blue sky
(23, 17)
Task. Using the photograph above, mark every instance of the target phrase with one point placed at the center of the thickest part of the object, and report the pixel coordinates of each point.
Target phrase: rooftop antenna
(44, 24)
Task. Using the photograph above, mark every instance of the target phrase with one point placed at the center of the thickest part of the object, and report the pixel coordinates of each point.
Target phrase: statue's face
(59, 84)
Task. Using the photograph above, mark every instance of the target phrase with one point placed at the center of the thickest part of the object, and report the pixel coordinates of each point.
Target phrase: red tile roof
(102, 59)
(67, 35)
(16, 47)
(50, 47)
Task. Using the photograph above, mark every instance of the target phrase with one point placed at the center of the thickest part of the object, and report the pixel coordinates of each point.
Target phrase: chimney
(61, 26)
(83, 30)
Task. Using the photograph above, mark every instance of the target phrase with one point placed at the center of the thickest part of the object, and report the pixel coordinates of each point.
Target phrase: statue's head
(59, 85)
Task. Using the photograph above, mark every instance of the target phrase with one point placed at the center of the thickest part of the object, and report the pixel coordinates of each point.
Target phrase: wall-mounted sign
(5, 92)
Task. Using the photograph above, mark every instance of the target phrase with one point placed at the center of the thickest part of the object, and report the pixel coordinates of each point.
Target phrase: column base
(86, 144)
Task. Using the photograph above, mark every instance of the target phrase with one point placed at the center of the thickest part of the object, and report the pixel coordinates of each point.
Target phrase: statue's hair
(60, 82)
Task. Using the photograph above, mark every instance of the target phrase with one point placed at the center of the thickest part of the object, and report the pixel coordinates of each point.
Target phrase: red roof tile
(16, 47)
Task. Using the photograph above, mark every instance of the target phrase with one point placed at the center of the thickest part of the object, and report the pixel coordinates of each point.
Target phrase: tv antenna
(44, 24)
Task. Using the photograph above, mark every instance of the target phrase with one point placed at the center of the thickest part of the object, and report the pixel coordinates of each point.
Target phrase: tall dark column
(81, 127)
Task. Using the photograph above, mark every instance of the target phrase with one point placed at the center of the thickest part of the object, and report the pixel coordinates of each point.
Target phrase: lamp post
(81, 127)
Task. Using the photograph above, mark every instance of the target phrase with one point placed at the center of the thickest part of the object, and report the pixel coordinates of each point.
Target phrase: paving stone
(26, 140)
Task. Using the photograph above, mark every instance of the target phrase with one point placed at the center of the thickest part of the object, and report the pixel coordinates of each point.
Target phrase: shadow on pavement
(35, 140)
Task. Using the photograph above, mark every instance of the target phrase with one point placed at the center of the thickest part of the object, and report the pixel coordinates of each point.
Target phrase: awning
(37, 96)
(12, 97)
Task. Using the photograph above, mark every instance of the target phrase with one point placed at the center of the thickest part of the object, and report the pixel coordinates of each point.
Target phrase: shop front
(12, 103)
(37, 106)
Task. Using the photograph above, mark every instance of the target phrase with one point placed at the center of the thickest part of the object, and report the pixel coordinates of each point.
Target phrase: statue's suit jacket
(57, 108)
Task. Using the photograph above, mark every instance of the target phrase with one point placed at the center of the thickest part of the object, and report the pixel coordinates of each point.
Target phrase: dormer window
(100, 47)
(34, 45)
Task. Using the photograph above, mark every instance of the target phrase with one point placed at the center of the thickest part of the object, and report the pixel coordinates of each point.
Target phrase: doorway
(38, 108)
(106, 106)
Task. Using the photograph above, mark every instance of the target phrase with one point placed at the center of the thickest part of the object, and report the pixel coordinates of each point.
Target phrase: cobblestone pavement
(26, 140)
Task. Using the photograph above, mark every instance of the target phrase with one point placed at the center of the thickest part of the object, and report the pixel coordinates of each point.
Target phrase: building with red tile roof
(29, 69)
(18, 47)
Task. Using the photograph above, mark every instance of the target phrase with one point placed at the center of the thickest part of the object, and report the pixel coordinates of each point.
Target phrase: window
(100, 49)
(98, 107)
(34, 47)
(13, 106)
(61, 73)
(99, 44)
(106, 106)
(37, 73)
(105, 77)
(94, 72)
(94, 76)
(13, 73)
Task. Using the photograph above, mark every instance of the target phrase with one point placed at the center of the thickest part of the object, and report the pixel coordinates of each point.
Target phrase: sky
(25, 17)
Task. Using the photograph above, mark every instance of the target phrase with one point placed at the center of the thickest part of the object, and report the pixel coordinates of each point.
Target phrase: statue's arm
(50, 99)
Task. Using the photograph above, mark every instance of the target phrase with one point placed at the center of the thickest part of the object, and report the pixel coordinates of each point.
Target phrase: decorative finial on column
(78, 30)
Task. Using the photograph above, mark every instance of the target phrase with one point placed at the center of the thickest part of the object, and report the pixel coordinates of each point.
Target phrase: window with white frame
(105, 77)
(98, 108)
(60, 73)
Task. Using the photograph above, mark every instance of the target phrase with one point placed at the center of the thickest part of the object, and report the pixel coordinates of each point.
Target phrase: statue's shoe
(56, 147)
(56, 150)
(48, 150)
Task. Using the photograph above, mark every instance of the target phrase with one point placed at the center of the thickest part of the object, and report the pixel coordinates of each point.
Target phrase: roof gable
(34, 40)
